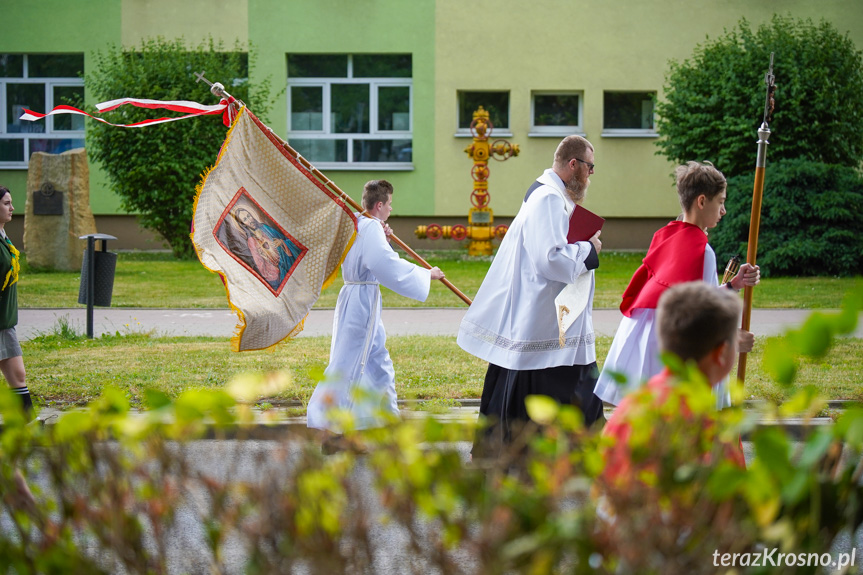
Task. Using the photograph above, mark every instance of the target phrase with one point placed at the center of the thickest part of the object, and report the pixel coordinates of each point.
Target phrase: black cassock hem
(505, 390)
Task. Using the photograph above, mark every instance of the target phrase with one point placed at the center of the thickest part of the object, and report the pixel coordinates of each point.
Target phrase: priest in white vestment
(360, 379)
(512, 322)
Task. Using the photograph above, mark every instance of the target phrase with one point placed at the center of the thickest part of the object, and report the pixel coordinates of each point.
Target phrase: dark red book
(583, 224)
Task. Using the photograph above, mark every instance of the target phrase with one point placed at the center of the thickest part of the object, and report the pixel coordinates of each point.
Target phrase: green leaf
(805, 401)
(815, 336)
(113, 400)
(73, 425)
(541, 408)
(815, 448)
(773, 449)
(725, 480)
(797, 487)
(156, 399)
(849, 427)
(674, 363)
(779, 361)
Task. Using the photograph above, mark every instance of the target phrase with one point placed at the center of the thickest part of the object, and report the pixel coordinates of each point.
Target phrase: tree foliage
(154, 170)
(811, 222)
(714, 101)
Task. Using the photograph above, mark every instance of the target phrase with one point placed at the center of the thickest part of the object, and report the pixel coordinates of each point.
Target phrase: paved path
(398, 321)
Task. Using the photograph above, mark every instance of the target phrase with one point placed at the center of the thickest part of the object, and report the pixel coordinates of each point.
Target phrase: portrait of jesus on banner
(248, 233)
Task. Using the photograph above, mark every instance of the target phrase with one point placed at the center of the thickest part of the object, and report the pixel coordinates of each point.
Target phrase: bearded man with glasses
(511, 323)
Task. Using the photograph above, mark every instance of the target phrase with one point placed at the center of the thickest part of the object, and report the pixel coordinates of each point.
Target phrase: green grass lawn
(73, 369)
(146, 279)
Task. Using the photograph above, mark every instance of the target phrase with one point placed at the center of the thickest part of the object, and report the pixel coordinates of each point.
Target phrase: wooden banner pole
(755, 218)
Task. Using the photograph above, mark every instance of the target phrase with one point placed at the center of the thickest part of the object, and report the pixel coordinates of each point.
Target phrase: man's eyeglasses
(588, 164)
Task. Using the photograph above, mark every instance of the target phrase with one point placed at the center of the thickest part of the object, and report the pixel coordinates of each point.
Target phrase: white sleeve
(710, 273)
(545, 227)
(403, 277)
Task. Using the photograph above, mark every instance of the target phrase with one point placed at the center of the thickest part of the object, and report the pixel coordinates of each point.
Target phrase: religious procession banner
(273, 232)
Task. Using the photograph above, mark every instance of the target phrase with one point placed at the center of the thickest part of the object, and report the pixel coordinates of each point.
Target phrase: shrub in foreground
(122, 492)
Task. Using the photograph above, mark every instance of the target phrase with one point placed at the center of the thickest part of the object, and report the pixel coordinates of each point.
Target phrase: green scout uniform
(9, 296)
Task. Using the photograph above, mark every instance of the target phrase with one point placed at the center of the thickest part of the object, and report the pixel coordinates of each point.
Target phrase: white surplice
(360, 375)
(635, 350)
(512, 321)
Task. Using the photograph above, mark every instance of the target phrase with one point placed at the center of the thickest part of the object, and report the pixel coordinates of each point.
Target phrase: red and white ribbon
(190, 109)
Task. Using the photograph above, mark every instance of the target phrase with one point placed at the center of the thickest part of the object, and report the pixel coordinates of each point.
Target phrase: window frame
(496, 131)
(556, 131)
(50, 133)
(374, 133)
(630, 132)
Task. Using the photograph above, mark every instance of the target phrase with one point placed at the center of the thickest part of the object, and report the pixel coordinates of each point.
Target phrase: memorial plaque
(47, 201)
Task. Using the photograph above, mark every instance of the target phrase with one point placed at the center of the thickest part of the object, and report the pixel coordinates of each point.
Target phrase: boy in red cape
(678, 253)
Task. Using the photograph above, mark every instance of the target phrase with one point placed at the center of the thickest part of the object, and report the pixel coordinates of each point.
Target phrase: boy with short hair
(678, 253)
(697, 324)
(663, 442)
(360, 376)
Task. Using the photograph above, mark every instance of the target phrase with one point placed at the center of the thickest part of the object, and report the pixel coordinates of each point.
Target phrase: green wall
(278, 28)
(60, 26)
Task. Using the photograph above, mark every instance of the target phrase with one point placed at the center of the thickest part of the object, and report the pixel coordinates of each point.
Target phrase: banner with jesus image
(249, 234)
(274, 233)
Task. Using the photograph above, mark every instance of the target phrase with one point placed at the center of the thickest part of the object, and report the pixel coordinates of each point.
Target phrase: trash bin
(104, 266)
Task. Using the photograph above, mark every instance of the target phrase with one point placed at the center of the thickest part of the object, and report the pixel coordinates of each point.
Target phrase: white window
(351, 111)
(556, 113)
(628, 114)
(496, 103)
(39, 82)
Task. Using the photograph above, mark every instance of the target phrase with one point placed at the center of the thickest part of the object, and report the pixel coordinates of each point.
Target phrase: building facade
(385, 89)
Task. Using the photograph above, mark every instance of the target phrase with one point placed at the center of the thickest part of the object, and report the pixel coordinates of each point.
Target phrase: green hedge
(811, 220)
(714, 101)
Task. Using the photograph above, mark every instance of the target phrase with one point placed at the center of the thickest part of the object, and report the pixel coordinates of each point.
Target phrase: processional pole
(757, 195)
(219, 91)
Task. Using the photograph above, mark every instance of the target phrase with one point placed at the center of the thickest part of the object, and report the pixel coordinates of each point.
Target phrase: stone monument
(58, 210)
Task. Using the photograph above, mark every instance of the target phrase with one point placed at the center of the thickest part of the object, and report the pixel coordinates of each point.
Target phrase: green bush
(714, 101)
(154, 170)
(811, 220)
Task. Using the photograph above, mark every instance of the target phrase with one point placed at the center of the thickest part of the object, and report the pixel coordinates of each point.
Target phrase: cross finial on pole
(769, 102)
(200, 77)
(217, 89)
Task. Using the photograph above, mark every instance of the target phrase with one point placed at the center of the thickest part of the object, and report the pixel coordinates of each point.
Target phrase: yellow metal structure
(480, 230)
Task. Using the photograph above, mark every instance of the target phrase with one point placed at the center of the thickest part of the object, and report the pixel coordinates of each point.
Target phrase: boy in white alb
(360, 376)
(678, 253)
